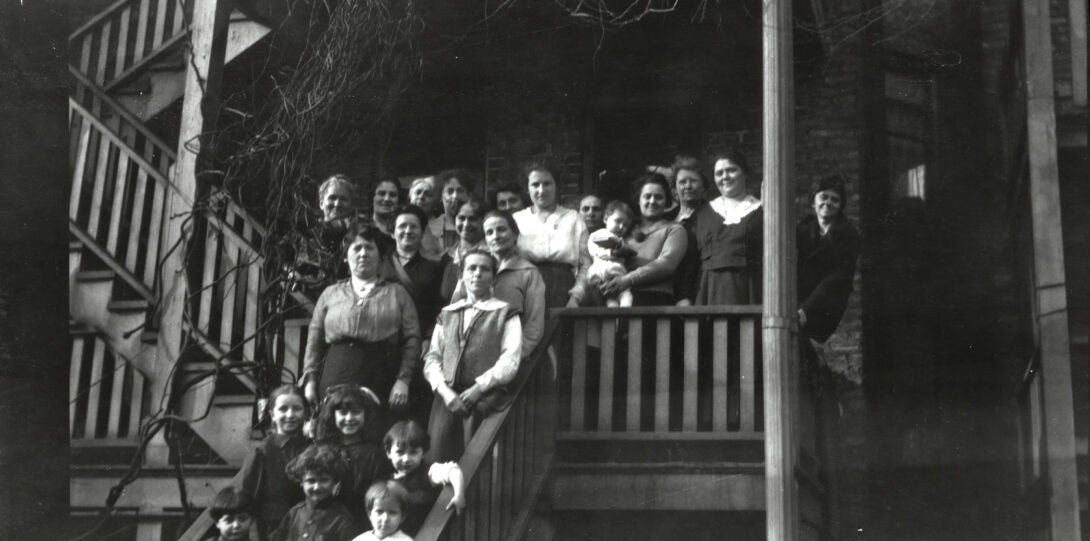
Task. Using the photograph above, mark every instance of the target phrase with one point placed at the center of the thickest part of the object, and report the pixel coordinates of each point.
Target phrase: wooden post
(204, 71)
(1050, 284)
(780, 326)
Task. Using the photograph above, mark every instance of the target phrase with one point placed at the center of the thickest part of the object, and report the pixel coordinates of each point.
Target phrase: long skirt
(559, 279)
(370, 364)
(725, 286)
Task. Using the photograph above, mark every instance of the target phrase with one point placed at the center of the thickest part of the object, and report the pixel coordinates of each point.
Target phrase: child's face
(287, 414)
(404, 457)
(317, 486)
(349, 419)
(617, 223)
(235, 526)
(386, 516)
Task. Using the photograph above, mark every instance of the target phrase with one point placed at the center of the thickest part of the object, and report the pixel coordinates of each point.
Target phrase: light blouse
(506, 366)
(560, 238)
(733, 214)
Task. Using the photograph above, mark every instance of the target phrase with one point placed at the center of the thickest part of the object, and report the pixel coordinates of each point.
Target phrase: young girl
(607, 249)
(263, 471)
(405, 444)
(386, 502)
(343, 421)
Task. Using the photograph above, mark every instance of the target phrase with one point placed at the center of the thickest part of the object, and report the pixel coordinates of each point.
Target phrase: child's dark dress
(264, 478)
(367, 464)
(327, 520)
(422, 496)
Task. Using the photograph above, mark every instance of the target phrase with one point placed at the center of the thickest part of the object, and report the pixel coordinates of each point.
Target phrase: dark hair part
(732, 154)
(365, 231)
(656, 179)
(231, 501)
(619, 206)
(467, 179)
(387, 490)
(321, 459)
(505, 216)
(479, 251)
(286, 389)
(407, 433)
(689, 163)
(509, 187)
(343, 397)
(413, 210)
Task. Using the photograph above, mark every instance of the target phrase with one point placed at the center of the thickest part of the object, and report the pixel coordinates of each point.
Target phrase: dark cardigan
(825, 273)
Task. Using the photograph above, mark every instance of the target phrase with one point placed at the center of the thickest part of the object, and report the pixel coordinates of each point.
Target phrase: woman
(421, 275)
(364, 330)
(517, 281)
(469, 222)
(828, 246)
(692, 199)
(317, 262)
(422, 194)
(384, 205)
(659, 244)
(555, 239)
(441, 234)
(729, 235)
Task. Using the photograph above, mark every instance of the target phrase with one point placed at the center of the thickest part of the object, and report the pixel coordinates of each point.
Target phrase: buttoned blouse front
(560, 238)
(386, 312)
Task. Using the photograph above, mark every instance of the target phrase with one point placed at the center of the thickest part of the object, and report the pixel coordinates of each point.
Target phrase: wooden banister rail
(619, 373)
(204, 522)
(507, 461)
(124, 37)
(106, 395)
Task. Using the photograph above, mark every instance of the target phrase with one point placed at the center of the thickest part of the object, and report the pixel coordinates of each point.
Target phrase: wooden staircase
(128, 69)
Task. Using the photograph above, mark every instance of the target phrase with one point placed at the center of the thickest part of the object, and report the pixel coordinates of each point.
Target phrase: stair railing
(106, 395)
(125, 37)
(507, 461)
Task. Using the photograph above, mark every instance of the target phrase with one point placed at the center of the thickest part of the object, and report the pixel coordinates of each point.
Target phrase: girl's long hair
(344, 396)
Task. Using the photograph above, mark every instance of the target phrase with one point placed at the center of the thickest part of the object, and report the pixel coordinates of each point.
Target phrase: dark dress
(730, 258)
(825, 273)
(263, 476)
(366, 464)
(327, 520)
(687, 276)
(422, 496)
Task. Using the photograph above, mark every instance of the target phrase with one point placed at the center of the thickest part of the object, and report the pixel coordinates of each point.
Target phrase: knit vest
(468, 355)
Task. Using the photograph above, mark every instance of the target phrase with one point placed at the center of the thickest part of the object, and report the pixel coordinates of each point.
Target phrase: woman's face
(363, 258)
(508, 202)
(652, 201)
(385, 198)
(407, 232)
(542, 188)
(690, 187)
(468, 224)
(336, 202)
(730, 179)
(454, 194)
(827, 205)
(500, 237)
(423, 196)
(477, 274)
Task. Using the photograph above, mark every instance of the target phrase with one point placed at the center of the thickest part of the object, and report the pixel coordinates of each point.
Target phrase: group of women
(687, 246)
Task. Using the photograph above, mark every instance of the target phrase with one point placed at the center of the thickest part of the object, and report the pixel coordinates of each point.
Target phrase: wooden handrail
(143, 289)
(204, 521)
(485, 438)
(113, 8)
(124, 113)
(146, 60)
(664, 311)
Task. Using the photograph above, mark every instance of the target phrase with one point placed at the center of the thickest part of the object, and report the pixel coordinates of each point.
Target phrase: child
(607, 248)
(233, 512)
(263, 472)
(342, 422)
(474, 353)
(386, 504)
(319, 470)
(405, 443)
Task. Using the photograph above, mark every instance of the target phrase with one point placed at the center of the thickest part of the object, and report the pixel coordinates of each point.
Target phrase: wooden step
(128, 305)
(95, 275)
(659, 447)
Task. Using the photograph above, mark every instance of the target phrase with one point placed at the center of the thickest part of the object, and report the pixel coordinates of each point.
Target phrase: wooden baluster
(229, 274)
(141, 32)
(75, 366)
(117, 393)
(139, 194)
(253, 289)
(495, 506)
(635, 373)
(98, 188)
(160, 23)
(136, 404)
(579, 375)
(470, 523)
(122, 41)
(1036, 429)
(507, 507)
(720, 337)
(93, 390)
(118, 204)
(662, 376)
(80, 165)
(527, 466)
(692, 352)
(85, 53)
(208, 274)
(605, 375)
(155, 224)
(292, 353)
(179, 18)
(747, 356)
(103, 53)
